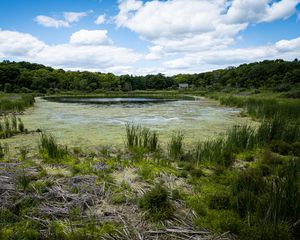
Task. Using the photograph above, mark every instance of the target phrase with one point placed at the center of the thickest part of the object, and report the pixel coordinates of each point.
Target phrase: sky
(148, 37)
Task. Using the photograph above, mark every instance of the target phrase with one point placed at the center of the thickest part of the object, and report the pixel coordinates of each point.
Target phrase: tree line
(31, 77)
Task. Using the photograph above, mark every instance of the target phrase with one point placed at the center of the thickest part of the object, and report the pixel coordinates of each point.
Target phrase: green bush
(219, 200)
(281, 147)
(157, 203)
(296, 149)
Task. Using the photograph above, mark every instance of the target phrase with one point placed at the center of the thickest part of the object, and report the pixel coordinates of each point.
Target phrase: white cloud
(168, 18)
(25, 47)
(187, 26)
(51, 22)
(69, 17)
(202, 61)
(155, 53)
(255, 11)
(90, 37)
(100, 19)
(19, 44)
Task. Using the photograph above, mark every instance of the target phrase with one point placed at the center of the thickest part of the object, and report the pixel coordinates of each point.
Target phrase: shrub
(296, 149)
(271, 159)
(197, 173)
(219, 200)
(157, 203)
(21, 125)
(281, 147)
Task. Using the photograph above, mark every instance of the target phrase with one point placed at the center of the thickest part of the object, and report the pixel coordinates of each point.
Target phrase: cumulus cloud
(90, 37)
(187, 26)
(255, 11)
(100, 19)
(19, 44)
(25, 47)
(212, 59)
(69, 17)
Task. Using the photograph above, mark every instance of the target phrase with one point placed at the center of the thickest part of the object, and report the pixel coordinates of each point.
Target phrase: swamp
(204, 163)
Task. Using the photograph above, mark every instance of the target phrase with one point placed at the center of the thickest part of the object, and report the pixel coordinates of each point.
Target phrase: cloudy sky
(142, 37)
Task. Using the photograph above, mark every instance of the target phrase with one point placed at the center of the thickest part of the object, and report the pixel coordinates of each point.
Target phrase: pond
(90, 125)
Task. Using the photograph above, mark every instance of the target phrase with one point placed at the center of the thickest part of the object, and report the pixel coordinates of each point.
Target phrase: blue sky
(142, 37)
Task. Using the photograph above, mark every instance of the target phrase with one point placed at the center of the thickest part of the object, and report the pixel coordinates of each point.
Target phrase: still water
(90, 124)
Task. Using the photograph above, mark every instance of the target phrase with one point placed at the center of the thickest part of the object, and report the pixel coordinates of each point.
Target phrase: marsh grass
(3, 150)
(138, 137)
(15, 103)
(175, 146)
(48, 146)
(245, 137)
(264, 107)
(10, 125)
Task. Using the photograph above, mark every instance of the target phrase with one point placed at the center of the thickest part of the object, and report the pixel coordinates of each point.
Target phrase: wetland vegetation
(184, 169)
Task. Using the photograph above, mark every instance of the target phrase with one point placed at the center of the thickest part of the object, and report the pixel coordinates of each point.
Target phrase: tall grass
(10, 125)
(175, 146)
(264, 107)
(48, 146)
(274, 199)
(245, 137)
(284, 194)
(141, 137)
(18, 103)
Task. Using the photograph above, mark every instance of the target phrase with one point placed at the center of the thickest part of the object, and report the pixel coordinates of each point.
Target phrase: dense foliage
(27, 77)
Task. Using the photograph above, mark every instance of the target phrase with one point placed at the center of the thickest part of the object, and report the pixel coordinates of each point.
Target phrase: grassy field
(15, 102)
(242, 184)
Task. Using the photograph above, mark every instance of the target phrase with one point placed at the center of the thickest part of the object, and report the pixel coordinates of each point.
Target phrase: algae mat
(92, 125)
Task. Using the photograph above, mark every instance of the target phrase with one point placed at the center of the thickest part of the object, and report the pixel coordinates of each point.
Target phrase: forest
(26, 77)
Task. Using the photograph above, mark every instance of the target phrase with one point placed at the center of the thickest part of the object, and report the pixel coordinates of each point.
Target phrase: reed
(264, 107)
(175, 146)
(10, 126)
(245, 137)
(49, 146)
(15, 104)
(138, 137)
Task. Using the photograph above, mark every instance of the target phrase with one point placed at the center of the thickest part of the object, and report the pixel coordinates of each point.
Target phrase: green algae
(92, 125)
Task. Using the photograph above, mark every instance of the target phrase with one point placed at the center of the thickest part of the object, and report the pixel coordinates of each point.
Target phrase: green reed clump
(246, 188)
(49, 146)
(2, 150)
(141, 137)
(245, 137)
(264, 107)
(278, 128)
(175, 146)
(240, 138)
(283, 202)
(10, 125)
(273, 200)
(16, 103)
